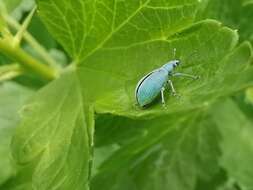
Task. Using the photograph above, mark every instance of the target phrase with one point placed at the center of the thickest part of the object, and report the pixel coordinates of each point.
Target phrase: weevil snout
(171, 65)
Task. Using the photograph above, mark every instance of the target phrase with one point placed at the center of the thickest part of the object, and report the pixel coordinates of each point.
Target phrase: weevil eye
(176, 63)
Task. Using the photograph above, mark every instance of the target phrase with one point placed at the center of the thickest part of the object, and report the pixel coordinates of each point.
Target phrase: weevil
(154, 83)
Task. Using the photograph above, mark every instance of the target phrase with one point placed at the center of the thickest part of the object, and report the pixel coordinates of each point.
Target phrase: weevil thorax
(170, 66)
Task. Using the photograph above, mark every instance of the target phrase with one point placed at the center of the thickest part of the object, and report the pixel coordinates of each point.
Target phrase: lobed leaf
(173, 153)
(85, 27)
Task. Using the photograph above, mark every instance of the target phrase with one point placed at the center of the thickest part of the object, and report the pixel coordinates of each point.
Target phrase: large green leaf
(173, 153)
(12, 97)
(215, 64)
(121, 58)
(87, 27)
(148, 164)
(115, 43)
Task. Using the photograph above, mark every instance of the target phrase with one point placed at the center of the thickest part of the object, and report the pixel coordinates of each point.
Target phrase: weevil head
(175, 63)
(171, 65)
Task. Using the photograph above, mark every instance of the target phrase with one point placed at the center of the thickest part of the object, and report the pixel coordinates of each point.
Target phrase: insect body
(154, 83)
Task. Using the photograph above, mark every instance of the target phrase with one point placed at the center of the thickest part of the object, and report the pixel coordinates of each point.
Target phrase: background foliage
(83, 130)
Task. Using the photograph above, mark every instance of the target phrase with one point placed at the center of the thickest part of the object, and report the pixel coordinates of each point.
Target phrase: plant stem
(11, 71)
(33, 42)
(18, 37)
(27, 60)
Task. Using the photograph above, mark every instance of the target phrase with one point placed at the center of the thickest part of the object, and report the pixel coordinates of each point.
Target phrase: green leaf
(216, 63)
(237, 143)
(115, 54)
(85, 27)
(127, 52)
(55, 128)
(111, 129)
(145, 164)
(12, 97)
(172, 154)
(114, 44)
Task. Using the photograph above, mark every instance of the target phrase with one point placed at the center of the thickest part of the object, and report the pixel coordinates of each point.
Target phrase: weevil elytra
(154, 83)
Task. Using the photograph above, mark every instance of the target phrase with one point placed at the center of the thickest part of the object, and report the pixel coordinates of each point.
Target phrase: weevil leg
(172, 88)
(185, 75)
(162, 95)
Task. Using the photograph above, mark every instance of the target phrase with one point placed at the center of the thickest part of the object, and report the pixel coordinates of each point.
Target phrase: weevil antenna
(174, 53)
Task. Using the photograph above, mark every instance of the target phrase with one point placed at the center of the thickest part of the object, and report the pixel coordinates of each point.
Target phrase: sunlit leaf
(55, 127)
